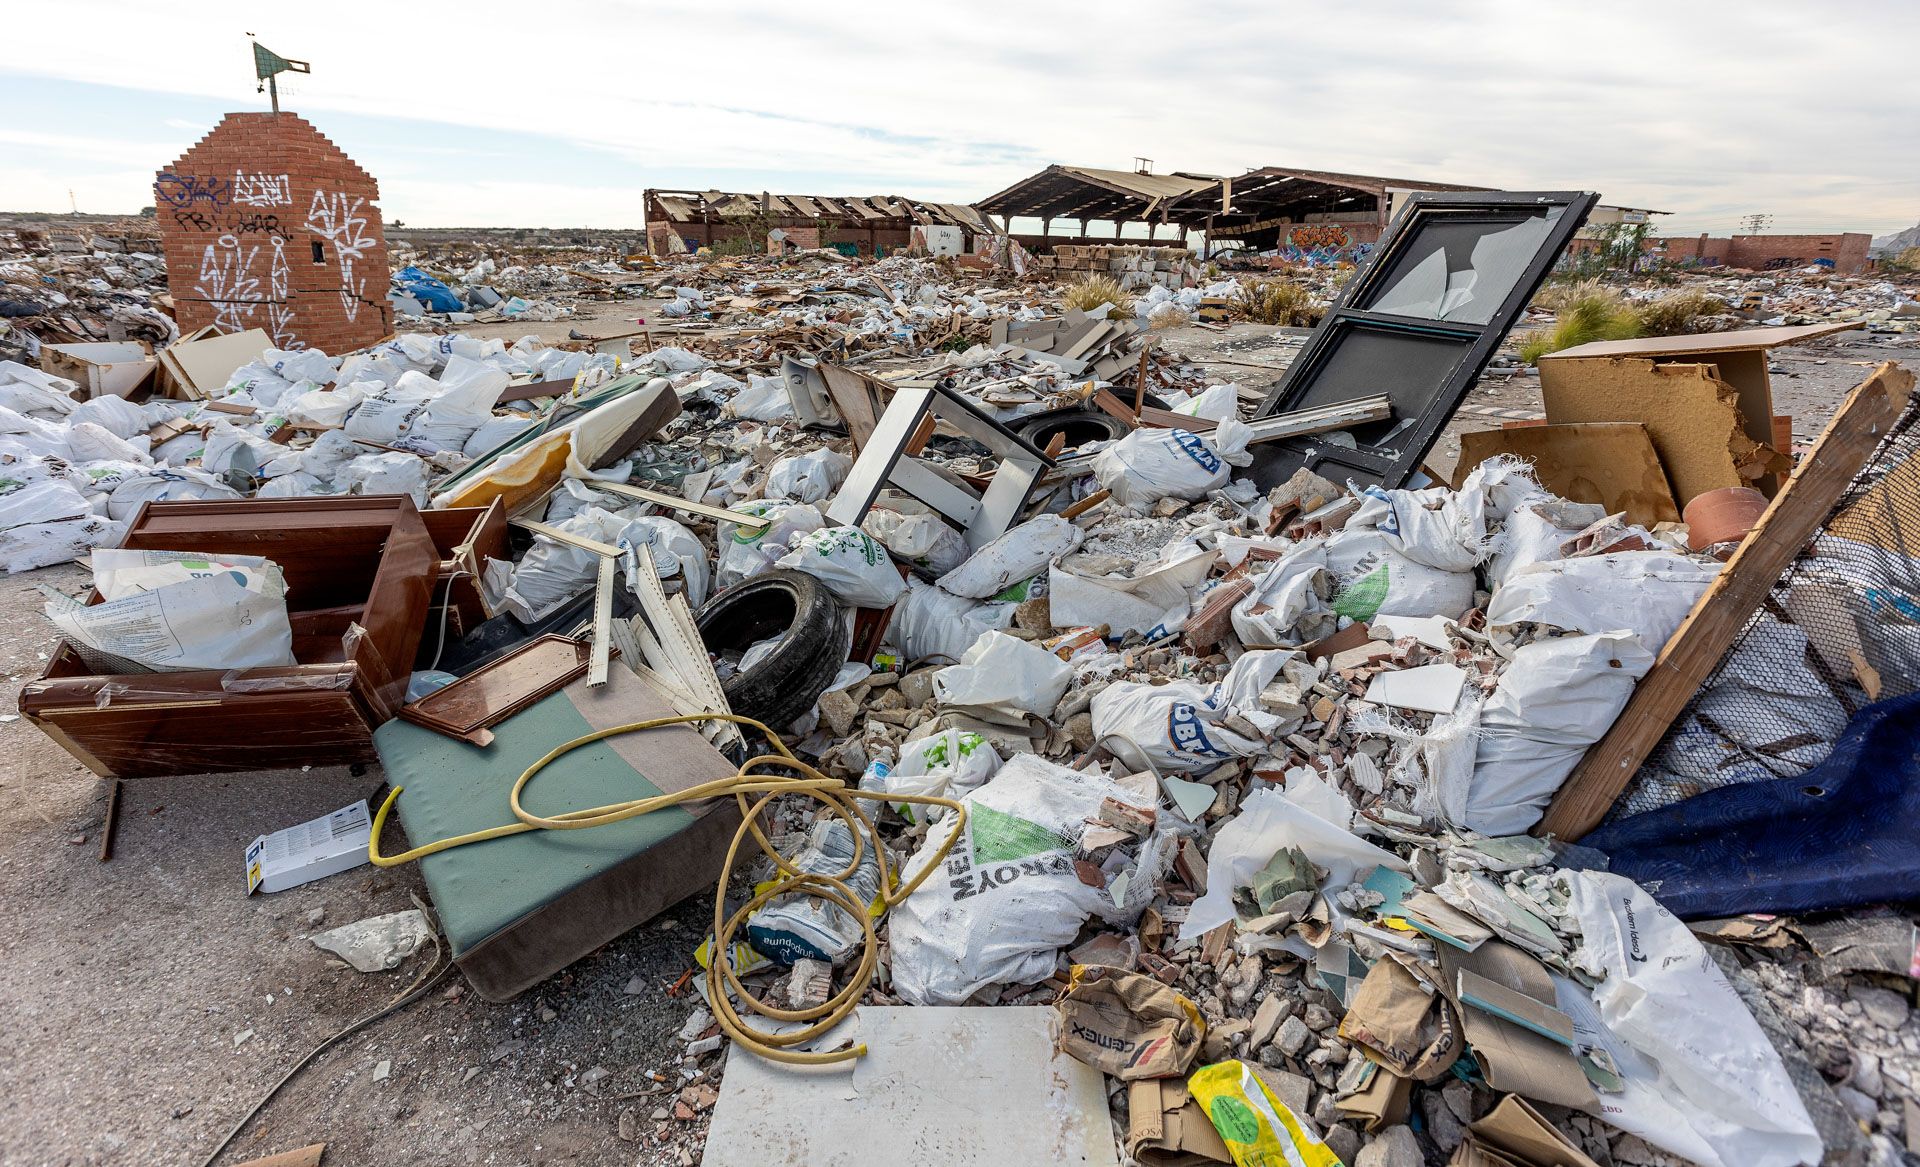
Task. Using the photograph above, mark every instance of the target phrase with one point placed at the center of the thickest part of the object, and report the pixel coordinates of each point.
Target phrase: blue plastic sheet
(1845, 833)
(437, 296)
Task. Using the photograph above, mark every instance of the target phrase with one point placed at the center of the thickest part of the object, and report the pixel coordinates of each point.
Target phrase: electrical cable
(723, 983)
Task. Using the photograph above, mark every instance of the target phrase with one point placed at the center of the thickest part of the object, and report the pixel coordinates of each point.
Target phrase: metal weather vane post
(267, 64)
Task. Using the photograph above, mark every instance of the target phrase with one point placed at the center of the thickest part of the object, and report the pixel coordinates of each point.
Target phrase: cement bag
(1020, 554)
(309, 364)
(1707, 1057)
(298, 484)
(37, 545)
(103, 478)
(947, 764)
(1558, 697)
(1003, 679)
(35, 393)
(809, 477)
(674, 550)
(392, 472)
(230, 448)
(1291, 602)
(552, 572)
(182, 483)
(1187, 726)
(1649, 592)
(1372, 578)
(855, 569)
(764, 398)
(1152, 464)
(930, 622)
(117, 415)
(496, 432)
(42, 437)
(387, 416)
(47, 501)
(745, 551)
(172, 611)
(921, 539)
(329, 407)
(1007, 897)
(1215, 403)
(464, 402)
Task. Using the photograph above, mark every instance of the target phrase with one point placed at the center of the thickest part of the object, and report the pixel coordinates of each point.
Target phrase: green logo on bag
(999, 837)
(1234, 1119)
(1362, 600)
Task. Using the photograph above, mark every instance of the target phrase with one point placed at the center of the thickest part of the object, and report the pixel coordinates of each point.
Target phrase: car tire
(1080, 425)
(784, 686)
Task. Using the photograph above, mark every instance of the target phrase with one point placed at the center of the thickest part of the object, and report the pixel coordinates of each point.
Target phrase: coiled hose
(723, 984)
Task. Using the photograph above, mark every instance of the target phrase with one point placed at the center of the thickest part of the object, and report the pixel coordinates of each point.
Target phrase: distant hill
(1897, 242)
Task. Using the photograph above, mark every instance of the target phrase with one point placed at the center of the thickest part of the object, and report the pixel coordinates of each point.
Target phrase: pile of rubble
(1236, 780)
(102, 284)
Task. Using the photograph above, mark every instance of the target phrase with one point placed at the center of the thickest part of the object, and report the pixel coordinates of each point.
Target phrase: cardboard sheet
(201, 367)
(1692, 416)
(1612, 463)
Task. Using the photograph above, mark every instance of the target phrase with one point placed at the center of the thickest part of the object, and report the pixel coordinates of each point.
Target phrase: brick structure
(1845, 251)
(266, 224)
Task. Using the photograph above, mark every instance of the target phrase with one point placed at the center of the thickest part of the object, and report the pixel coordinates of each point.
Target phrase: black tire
(785, 685)
(1080, 426)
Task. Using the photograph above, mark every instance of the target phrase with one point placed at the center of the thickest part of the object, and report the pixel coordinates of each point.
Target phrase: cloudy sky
(560, 112)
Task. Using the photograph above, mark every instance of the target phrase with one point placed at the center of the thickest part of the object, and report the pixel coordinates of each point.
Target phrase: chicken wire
(1839, 630)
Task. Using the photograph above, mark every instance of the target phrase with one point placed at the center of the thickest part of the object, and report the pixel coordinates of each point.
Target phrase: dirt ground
(147, 1002)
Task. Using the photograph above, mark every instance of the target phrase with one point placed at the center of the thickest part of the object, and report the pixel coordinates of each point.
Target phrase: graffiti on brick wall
(262, 190)
(230, 281)
(1322, 243)
(192, 192)
(337, 218)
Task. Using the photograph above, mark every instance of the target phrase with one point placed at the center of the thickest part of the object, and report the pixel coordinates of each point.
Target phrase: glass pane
(1461, 271)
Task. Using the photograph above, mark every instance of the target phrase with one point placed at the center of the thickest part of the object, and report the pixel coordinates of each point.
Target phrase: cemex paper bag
(1407, 1023)
(1514, 1134)
(1128, 1025)
(1167, 1128)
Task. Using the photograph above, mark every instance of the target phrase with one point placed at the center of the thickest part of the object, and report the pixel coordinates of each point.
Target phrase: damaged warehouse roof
(703, 218)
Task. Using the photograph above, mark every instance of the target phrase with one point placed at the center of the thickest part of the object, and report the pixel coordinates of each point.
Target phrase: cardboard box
(312, 850)
(113, 369)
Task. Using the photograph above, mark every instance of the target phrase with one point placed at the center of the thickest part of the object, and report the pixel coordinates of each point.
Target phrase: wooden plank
(569, 538)
(1790, 520)
(1168, 419)
(304, 1157)
(676, 503)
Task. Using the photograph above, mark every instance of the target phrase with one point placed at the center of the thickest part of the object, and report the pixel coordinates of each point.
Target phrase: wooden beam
(676, 503)
(1793, 517)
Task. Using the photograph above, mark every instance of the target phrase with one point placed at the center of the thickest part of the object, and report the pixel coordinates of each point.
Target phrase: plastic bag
(1558, 697)
(931, 622)
(1021, 553)
(1215, 403)
(1291, 602)
(36, 545)
(809, 477)
(1003, 679)
(177, 610)
(674, 549)
(802, 927)
(764, 398)
(1007, 897)
(1710, 1064)
(1151, 464)
(117, 415)
(922, 539)
(392, 472)
(1649, 592)
(855, 569)
(48, 501)
(1257, 1127)
(745, 551)
(184, 483)
(949, 763)
(1187, 726)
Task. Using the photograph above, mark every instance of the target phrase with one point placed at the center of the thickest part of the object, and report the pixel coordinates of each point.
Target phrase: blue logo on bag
(1196, 449)
(1184, 730)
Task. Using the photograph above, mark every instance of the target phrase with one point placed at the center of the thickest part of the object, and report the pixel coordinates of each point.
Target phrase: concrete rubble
(1290, 742)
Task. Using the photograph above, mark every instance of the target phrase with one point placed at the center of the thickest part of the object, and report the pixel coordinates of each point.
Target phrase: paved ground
(147, 1002)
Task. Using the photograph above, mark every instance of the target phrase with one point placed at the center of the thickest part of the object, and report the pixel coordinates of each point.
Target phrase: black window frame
(1412, 432)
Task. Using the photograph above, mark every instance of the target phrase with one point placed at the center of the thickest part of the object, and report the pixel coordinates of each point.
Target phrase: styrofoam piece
(1429, 688)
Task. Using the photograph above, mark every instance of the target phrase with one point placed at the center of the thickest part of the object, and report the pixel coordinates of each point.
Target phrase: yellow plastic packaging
(1258, 1128)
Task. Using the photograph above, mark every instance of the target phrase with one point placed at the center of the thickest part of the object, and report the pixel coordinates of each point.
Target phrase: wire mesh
(1839, 630)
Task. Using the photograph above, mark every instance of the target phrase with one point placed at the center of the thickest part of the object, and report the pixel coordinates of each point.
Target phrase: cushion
(516, 910)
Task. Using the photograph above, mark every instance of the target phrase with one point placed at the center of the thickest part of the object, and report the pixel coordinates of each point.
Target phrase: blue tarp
(1845, 833)
(437, 296)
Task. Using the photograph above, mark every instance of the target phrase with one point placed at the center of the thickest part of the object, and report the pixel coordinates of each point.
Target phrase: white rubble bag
(1649, 592)
(809, 477)
(1003, 679)
(674, 550)
(1020, 554)
(1291, 602)
(174, 610)
(920, 538)
(946, 764)
(764, 398)
(1558, 697)
(745, 551)
(1150, 464)
(391, 472)
(1007, 897)
(855, 568)
(931, 622)
(35, 545)
(182, 482)
(1711, 1086)
(552, 572)
(1187, 726)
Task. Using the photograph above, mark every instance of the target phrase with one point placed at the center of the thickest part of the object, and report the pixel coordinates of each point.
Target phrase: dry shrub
(1595, 313)
(1277, 301)
(1090, 292)
(1673, 315)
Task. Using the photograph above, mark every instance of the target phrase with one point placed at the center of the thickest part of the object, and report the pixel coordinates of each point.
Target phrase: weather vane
(267, 64)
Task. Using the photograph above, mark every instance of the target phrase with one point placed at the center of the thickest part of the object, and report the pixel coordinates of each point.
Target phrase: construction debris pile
(96, 287)
(1052, 651)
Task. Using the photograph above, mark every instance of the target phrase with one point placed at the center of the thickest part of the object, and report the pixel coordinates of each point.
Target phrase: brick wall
(1847, 251)
(266, 224)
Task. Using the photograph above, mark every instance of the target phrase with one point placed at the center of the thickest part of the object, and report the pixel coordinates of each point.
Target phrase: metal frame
(984, 517)
(1422, 409)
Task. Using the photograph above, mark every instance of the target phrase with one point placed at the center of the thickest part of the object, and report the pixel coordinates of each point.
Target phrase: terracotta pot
(1722, 516)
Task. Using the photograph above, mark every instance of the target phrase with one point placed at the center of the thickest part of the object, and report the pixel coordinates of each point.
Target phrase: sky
(560, 113)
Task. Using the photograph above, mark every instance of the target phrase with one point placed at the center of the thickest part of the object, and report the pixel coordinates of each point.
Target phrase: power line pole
(1755, 224)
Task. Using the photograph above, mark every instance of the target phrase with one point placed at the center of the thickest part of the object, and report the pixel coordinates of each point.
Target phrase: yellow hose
(723, 984)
